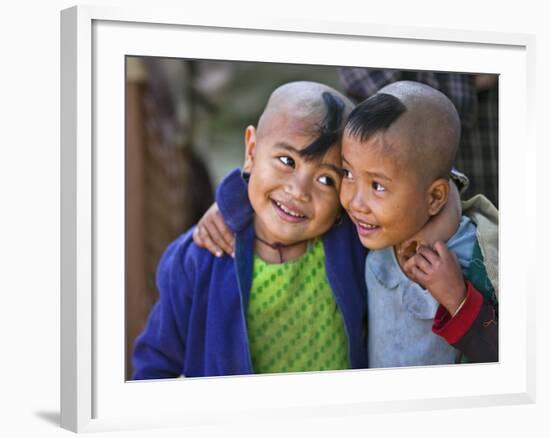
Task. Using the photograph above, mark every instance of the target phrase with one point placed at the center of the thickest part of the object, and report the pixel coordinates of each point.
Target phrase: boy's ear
(249, 148)
(438, 195)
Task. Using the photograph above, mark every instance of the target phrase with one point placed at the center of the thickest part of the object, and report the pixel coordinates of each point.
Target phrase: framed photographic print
(154, 108)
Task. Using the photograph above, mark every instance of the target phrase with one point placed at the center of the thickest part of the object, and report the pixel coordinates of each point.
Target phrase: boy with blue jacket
(293, 297)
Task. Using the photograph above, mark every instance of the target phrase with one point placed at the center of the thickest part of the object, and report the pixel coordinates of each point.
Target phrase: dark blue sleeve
(233, 202)
(159, 351)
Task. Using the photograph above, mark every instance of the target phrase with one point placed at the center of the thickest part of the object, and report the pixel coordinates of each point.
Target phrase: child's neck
(273, 252)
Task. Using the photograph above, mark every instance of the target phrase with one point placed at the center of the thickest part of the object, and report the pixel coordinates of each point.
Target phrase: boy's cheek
(345, 196)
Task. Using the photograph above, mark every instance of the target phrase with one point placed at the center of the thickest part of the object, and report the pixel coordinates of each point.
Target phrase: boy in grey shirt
(397, 151)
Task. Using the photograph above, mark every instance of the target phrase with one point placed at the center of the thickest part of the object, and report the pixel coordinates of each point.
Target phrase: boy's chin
(373, 244)
(287, 239)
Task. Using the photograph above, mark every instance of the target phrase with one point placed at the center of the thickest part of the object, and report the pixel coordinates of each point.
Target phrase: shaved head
(308, 108)
(417, 123)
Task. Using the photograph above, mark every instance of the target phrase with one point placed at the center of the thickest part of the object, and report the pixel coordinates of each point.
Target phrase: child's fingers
(202, 233)
(408, 265)
(427, 252)
(225, 233)
(423, 263)
(197, 237)
(217, 236)
(418, 275)
(412, 265)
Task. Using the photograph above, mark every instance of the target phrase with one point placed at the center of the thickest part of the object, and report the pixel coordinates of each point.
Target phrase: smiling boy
(398, 148)
(293, 298)
(294, 182)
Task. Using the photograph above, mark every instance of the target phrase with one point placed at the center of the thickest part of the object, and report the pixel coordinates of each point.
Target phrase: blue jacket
(198, 325)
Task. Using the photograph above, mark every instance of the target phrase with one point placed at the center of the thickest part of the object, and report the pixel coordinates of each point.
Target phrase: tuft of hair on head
(420, 124)
(373, 115)
(322, 109)
(330, 129)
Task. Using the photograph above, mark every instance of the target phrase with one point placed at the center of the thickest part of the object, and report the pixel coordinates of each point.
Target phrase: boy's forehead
(390, 141)
(387, 151)
(283, 123)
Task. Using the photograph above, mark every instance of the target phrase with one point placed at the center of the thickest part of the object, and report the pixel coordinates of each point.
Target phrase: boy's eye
(287, 161)
(327, 181)
(347, 174)
(378, 187)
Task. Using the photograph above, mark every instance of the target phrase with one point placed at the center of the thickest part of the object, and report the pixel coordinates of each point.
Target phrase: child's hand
(212, 233)
(438, 271)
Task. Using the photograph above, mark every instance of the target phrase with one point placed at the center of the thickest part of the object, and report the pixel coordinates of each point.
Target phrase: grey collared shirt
(401, 312)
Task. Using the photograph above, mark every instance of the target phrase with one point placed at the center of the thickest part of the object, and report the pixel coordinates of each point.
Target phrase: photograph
(288, 218)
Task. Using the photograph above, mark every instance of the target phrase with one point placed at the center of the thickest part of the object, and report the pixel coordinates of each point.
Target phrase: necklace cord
(277, 246)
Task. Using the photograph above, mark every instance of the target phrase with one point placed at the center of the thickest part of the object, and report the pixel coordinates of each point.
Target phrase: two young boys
(294, 298)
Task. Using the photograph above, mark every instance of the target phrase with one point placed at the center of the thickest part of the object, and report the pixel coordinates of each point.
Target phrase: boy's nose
(299, 189)
(359, 202)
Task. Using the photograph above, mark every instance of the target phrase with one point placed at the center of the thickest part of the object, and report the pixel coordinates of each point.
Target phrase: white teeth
(365, 225)
(287, 211)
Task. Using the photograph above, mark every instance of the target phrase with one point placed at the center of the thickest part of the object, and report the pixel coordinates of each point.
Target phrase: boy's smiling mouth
(365, 228)
(287, 213)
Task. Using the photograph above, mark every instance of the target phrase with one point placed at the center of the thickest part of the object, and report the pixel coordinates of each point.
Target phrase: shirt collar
(385, 268)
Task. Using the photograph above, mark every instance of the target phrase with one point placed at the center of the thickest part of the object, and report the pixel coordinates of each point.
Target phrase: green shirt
(294, 323)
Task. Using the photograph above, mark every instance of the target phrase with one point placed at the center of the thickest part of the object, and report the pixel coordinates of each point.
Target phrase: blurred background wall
(185, 122)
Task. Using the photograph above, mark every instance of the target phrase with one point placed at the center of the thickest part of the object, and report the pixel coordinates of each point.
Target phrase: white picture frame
(94, 395)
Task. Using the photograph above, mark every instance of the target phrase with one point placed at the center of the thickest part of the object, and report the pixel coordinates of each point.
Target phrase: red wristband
(454, 328)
